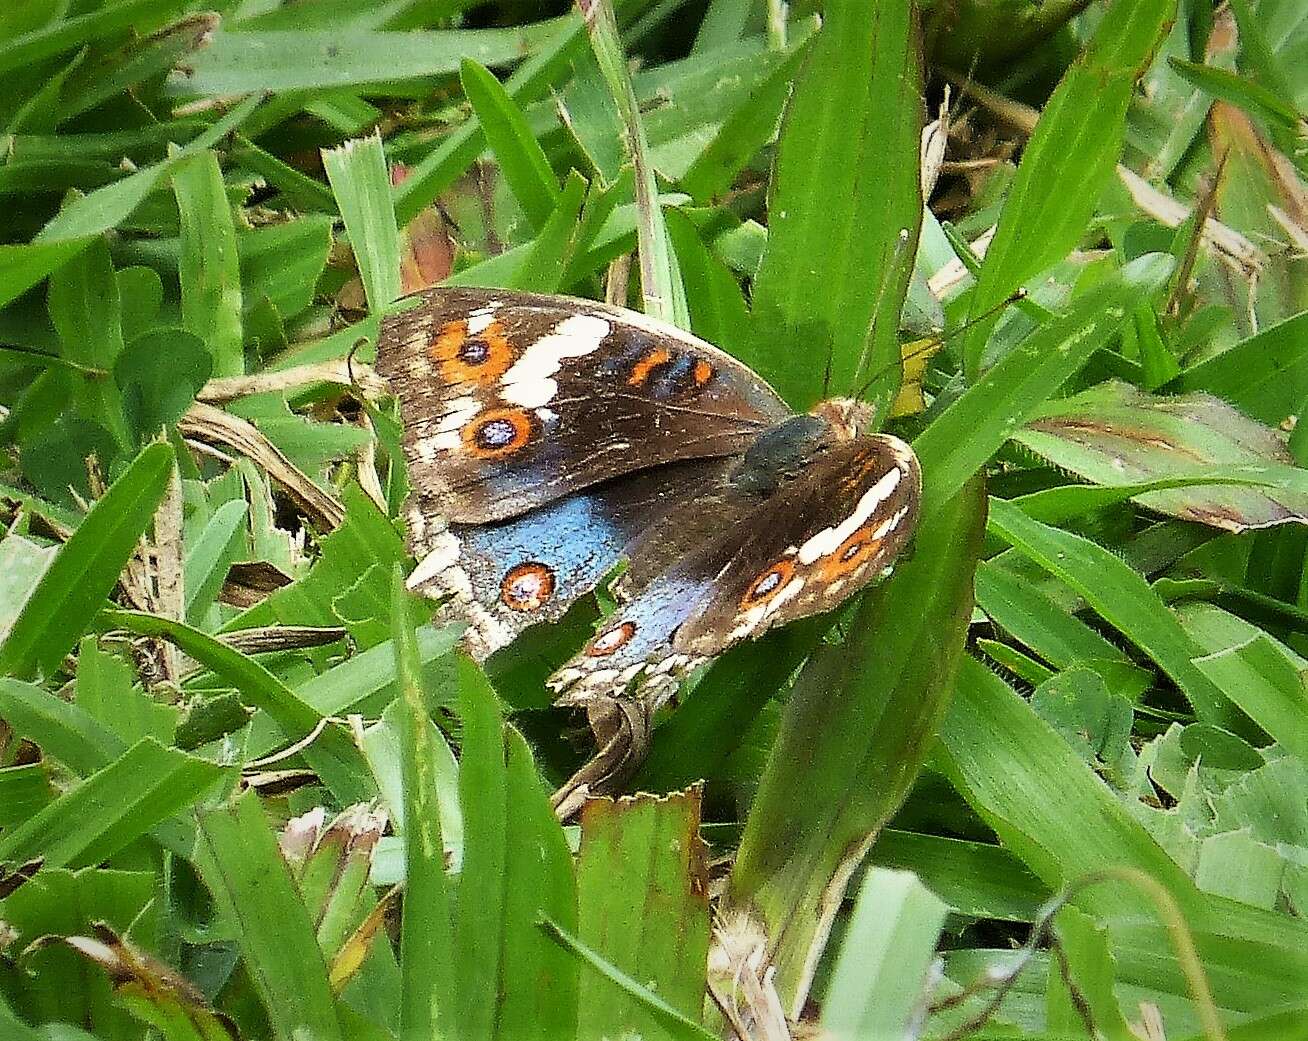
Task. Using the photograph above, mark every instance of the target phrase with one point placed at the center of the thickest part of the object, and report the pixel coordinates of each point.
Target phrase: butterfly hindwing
(509, 575)
(514, 400)
(787, 548)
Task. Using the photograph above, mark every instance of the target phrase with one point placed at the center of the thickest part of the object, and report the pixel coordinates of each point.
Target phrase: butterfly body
(552, 441)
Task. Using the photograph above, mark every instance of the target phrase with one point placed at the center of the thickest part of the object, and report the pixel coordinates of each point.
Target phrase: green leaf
(426, 935)
(879, 979)
(1085, 951)
(1046, 804)
(520, 156)
(1255, 671)
(209, 267)
(143, 787)
(159, 374)
(332, 754)
(1253, 97)
(73, 589)
(853, 735)
(675, 1024)
(841, 241)
(1121, 597)
(973, 878)
(66, 34)
(446, 163)
(962, 438)
(240, 62)
(1114, 434)
(361, 182)
(541, 986)
(542, 269)
(209, 558)
(1265, 376)
(84, 219)
(63, 731)
(1068, 160)
(642, 886)
(245, 871)
(660, 281)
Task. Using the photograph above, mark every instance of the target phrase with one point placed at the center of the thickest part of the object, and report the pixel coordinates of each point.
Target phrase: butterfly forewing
(514, 400)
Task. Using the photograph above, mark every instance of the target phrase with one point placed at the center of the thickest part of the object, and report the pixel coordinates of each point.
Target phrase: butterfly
(551, 442)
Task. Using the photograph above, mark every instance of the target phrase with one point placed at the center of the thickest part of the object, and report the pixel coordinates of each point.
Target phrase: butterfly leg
(622, 735)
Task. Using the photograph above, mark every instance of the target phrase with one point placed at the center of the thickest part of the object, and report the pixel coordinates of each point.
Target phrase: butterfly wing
(820, 536)
(506, 576)
(513, 400)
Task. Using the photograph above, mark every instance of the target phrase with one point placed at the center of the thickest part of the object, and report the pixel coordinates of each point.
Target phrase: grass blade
(1122, 598)
(854, 733)
(247, 875)
(360, 180)
(521, 158)
(209, 267)
(140, 789)
(963, 437)
(1067, 162)
(842, 238)
(331, 754)
(878, 984)
(660, 279)
(74, 587)
(426, 943)
(643, 895)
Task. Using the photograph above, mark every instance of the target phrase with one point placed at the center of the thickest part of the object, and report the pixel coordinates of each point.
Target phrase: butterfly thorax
(847, 417)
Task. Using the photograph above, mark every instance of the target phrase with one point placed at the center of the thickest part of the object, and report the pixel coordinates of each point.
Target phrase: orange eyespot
(641, 371)
(609, 641)
(768, 583)
(703, 372)
(478, 358)
(527, 586)
(852, 554)
(498, 432)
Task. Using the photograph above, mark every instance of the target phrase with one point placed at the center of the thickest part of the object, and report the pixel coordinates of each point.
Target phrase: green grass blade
(853, 735)
(643, 896)
(209, 267)
(455, 154)
(845, 208)
(74, 587)
(67, 34)
(480, 918)
(962, 438)
(675, 1024)
(361, 182)
(208, 560)
(426, 944)
(542, 269)
(331, 754)
(660, 279)
(61, 730)
(1121, 597)
(1254, 670)
(541, 982)
(1042, 799)
(242, 62)
(140, 789)
(1084, 946)
(1068, 160)
(519, 154)
(247, 875)
(878, 986)
(1265, 376)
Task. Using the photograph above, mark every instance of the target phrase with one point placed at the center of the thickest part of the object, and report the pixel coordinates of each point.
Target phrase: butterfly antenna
(900, 248)
(934, 343)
